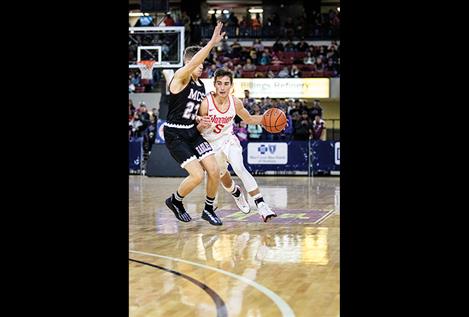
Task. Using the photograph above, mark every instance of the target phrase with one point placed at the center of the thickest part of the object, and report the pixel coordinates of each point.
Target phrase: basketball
(274, 120)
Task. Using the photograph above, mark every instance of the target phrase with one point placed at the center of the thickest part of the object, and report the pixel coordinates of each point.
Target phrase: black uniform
(182, 138)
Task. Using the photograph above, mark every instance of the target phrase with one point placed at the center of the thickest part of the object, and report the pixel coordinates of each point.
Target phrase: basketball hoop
(146, 68)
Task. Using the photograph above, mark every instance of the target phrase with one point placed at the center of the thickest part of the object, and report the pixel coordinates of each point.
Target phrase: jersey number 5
(218, 128)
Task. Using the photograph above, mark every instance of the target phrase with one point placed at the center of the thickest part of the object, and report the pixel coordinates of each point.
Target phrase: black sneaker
(179, 212)
(211, 217)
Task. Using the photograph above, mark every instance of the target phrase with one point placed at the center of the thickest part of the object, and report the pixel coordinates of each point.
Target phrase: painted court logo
(284, 216)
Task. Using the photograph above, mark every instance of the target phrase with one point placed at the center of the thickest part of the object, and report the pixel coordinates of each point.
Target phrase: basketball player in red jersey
(222, 107)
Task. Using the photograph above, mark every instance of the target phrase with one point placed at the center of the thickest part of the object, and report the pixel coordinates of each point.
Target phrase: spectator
(265, 59)
(225, 48)
(255, 130)
(278, 46)
(255, 58)
(256, 109)
(283, 73)
(289, 129)
(152, 127)
(249, 66)
(213, 20)
(258, 45)
(331, 67)
(276, 61)
(274, 103)
(302, 46)
(212, 70)
(244, 54)
(322, 52)
(236, 49)
(186, 20)
(332, 53)
(144, 115)
(241, 131)
(282, 105)
(289, 47)
(131, 109)
(289, 28)
(302, 126)
(267, 104)
(232, 21)
(294, 72)
(244, 27)
(296, 107)
(319, 65)
(318, 129)
(212, 57)
(135, 80)
(309, 59)
(229, 65)
(316, 110)
(238, 71)
(168, 20)
(256, 22)
(131, 87)
(248, 102)
(135, 126)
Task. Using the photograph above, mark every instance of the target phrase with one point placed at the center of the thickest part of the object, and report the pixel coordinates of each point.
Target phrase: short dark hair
(190, 51)
(222, 73)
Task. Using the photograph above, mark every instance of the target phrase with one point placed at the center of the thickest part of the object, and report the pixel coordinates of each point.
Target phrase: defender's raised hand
(217, 37)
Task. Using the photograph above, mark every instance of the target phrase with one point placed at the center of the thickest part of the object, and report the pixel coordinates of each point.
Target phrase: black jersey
(183, 106)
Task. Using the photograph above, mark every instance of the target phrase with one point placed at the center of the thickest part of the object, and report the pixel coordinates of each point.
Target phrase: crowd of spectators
(305, 120)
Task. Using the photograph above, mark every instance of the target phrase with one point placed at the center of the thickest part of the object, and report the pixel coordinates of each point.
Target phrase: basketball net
(146, 68)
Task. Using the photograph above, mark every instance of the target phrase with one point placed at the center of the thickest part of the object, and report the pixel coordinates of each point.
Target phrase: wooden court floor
(287, 267)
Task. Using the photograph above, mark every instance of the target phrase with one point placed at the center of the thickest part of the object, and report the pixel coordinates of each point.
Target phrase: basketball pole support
(309, 158)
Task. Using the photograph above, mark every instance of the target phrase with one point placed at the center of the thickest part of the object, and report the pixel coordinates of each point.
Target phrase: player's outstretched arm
(185, 72)
(244, 114)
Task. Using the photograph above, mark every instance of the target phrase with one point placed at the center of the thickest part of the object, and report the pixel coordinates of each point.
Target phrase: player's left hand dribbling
(204, 123)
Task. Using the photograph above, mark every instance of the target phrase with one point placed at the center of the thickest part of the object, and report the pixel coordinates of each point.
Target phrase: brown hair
(222, 73)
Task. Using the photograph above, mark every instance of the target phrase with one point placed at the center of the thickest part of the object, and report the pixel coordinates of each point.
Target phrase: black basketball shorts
(186, 145)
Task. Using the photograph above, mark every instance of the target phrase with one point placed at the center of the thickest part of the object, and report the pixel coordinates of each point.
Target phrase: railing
(273, 32)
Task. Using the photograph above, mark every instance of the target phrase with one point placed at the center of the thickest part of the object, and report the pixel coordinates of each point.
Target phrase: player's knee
(239, 169)
(213, 171)
(198, 176)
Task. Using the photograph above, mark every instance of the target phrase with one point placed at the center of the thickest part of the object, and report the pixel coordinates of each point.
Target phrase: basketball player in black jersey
(182, 138)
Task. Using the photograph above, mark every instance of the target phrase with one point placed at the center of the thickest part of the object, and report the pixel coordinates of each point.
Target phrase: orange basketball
(274, 120)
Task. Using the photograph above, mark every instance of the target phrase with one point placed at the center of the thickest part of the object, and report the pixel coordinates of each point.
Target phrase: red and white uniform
(220, 134)
(228, 150)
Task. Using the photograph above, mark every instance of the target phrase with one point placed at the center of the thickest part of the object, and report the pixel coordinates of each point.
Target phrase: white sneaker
(265, 212)
(241, 202)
